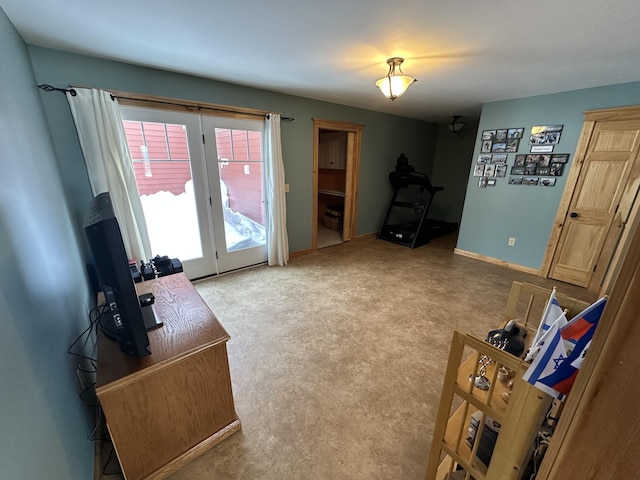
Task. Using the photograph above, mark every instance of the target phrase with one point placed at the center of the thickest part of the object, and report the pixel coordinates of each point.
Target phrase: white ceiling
(463, 52)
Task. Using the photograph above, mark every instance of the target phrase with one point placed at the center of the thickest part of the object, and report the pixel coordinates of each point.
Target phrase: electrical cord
(542, 442)
(114, 470)
(92, 435)
(87, 362)
(86, 334)
(83, 393)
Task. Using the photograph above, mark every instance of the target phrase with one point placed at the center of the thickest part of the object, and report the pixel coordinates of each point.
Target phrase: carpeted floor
(337, 359)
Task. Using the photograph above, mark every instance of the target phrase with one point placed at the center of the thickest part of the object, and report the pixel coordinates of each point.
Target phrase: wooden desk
(166, 409)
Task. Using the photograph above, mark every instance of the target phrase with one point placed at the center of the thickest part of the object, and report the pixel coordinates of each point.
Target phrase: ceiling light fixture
(396, 82)
(457, 124)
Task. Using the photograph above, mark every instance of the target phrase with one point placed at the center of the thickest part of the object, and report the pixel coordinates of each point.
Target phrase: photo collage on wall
(504, 140)
(540, 167)
(492, 162)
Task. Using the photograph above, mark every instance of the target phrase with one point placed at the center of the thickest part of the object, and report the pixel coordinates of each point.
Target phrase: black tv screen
(123, 319)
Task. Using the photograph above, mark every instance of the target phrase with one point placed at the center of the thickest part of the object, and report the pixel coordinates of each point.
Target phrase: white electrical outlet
(512, 241)
(286, 187)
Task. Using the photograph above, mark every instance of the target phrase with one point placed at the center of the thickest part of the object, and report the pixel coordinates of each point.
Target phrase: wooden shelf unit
(519, 419)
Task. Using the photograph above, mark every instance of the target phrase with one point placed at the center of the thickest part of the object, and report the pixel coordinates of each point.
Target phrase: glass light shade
(456, 125)
(396, 83)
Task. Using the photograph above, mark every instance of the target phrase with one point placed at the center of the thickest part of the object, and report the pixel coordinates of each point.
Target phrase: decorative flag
(577, 363)
(560, 322)
(552, 312)
(563, 377)
(550, 356)
(553, 370)
(584, 323)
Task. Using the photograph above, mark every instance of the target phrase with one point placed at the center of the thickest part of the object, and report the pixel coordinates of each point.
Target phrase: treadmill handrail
(402, 179)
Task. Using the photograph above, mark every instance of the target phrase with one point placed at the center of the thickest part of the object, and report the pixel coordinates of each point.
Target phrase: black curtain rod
(48, 88)
(284, 119)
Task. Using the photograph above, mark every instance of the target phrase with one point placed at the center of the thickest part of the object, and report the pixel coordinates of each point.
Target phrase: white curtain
(99, 124)
(277, 240)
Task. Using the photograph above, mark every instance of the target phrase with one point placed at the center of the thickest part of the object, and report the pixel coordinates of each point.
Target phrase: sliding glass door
(201, 191)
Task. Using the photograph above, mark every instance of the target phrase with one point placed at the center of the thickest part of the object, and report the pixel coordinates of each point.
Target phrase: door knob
(573, 214)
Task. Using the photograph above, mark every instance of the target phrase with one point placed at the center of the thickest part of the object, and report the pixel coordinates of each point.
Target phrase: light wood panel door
(594, 220)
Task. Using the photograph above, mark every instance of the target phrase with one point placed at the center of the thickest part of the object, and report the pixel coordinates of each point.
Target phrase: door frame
(352, 175)
(616, 246)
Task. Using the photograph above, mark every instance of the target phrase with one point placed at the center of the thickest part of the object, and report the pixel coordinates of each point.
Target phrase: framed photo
(517, 170)
(547, 182)
(530, 168)
(556, 169)
(512, 145)
(560, 158)
(479, 170)
(544, 160)
(488, 135)
(520, 161)
(545, 134)
(501, 170)
(530, 180)
(499, 158)
(515, 180)
(486, 146)
(532, 159)
(482, 158)
(543, 171)
(515, 133)
(490, 170)
(499, 147)
(491, 182)
(501, 136)
(482, 182)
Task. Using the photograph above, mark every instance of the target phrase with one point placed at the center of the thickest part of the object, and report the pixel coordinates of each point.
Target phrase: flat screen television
(123, 319)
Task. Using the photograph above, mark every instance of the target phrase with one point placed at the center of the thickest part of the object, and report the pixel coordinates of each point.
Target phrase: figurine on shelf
(505, 395)
(481, 381)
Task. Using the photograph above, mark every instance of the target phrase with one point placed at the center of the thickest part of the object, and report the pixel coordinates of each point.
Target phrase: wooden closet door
(594, 219)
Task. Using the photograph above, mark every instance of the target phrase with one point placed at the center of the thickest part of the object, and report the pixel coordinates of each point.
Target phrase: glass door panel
(234, 163)
(241, 187)
(168, 163)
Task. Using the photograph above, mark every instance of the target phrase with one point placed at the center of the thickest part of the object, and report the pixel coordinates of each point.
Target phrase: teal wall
(43, 295)
(450, 170)
(492, 215)
(384, 136)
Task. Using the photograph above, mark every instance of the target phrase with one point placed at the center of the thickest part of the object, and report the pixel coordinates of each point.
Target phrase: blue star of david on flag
(558, 361)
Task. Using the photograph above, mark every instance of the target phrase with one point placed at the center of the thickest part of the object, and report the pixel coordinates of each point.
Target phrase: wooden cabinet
(164, 410)
(515, 414)
(332, 150)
